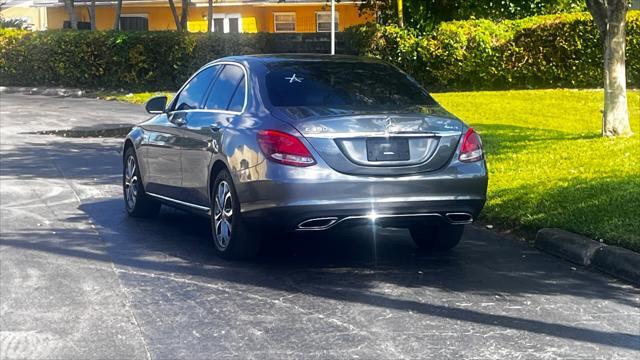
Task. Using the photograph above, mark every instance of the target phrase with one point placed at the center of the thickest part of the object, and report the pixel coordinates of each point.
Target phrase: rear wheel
(231, 237)
(437, 238)
(136, 201)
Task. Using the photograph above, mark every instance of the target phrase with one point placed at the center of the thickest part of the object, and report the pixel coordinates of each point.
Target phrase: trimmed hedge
(545, 51)
(128, 60)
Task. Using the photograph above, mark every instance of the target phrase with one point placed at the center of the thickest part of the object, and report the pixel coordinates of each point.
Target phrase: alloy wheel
(223, 214)
(131, 183)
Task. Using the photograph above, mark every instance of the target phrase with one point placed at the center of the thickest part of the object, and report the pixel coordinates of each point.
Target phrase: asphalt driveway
(78, 279)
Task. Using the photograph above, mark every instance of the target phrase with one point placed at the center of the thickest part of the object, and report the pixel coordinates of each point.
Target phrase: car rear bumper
(320, 200)
(401, 214)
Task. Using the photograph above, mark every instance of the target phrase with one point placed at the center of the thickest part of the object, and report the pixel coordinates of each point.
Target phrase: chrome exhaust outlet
(317, 224)
(459, 218)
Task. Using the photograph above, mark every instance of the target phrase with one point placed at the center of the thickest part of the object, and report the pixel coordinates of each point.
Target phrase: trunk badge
(388, 124)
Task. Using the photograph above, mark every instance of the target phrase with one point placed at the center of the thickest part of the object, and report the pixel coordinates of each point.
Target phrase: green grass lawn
(549, 166)
(135, 98)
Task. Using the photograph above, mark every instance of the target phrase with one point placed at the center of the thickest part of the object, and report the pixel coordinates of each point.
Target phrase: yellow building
(228, 15)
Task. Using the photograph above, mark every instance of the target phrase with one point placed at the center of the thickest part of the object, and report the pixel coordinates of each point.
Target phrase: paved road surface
(81, 280)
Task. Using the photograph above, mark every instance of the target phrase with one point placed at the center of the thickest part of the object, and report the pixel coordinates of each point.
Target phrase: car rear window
(346, 84)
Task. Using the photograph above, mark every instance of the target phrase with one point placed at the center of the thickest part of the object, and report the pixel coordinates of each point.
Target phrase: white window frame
(225, 21)
(318, 13)
(275, 23)
(135, 15)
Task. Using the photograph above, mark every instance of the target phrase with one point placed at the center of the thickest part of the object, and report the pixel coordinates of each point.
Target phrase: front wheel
(231, 237)
(437, 238)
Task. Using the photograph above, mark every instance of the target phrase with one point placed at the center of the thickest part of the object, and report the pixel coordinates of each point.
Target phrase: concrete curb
(46, 91)
(619, 262)
(567, 245)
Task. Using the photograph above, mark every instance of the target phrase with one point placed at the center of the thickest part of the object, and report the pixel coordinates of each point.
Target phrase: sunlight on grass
(134, 98)
(549, 166)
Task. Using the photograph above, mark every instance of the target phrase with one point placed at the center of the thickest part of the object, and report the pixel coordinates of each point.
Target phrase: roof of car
(274, 58)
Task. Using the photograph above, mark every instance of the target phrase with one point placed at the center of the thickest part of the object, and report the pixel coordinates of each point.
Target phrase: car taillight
(284, 148)
(471, 149)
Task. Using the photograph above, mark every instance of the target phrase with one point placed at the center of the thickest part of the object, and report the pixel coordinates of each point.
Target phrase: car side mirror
(156, 105)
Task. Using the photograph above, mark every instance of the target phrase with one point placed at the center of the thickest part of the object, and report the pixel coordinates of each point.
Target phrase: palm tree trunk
(92, 14)
(116, 24)
(209, 16)
(71, 10)
(175, 14)
(184, 18)
(610, 17)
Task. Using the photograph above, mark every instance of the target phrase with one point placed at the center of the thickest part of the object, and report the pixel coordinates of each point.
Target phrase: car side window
(237, 101)
(225, 87)
(191, 97)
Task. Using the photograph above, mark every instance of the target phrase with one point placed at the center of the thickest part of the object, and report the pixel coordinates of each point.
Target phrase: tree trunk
(71, 10)
(175, 15)
(610, 16)
(209, 17)
(116, 24)
(400, 14)
(185, 15)
(92, 14)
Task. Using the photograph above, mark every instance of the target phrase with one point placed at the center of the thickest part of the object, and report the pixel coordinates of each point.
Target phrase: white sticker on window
(293, 78)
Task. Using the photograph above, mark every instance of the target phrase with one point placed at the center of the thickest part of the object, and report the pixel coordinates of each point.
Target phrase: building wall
(160, 18)
(254, 18)
(36, 17)
(306, 16)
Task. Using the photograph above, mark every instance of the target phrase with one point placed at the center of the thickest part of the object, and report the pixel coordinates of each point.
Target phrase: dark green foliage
(538, 52)
(112, 60)
(424, 15)
(95, 59)
(135, 61)
(545, 51)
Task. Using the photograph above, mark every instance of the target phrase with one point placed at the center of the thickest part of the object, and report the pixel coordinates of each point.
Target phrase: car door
(202, 134)
(164, 138)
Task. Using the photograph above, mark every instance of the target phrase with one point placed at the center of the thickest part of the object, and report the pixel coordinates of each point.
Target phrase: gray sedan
(305, 143)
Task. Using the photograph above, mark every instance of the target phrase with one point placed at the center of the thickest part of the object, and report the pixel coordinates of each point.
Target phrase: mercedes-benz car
(267, 144)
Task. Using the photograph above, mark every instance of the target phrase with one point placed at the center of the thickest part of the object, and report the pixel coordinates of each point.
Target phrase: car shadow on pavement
(346, 267)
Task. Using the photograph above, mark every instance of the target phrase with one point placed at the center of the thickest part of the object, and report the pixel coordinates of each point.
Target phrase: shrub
(95, 59)
(113, 60)
(545, 51)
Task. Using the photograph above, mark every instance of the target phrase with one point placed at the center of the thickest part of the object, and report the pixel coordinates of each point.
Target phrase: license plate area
(388, 149)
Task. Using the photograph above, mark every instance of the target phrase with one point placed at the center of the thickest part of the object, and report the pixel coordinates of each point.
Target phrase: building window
(227, 23)
(284, 22)
(323, 21)
(134, 22)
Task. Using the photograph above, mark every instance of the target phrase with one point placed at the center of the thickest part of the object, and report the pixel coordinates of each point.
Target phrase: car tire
(232, 238)
(136, 201)
(436, 238)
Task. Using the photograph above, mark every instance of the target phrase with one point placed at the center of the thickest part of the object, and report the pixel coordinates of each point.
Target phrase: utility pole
(333, 27)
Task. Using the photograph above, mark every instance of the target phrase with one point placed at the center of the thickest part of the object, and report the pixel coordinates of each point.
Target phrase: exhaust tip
(459, 218)
(317, 223)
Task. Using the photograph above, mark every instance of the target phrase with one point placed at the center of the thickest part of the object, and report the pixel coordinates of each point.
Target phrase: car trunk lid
(379, 143)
